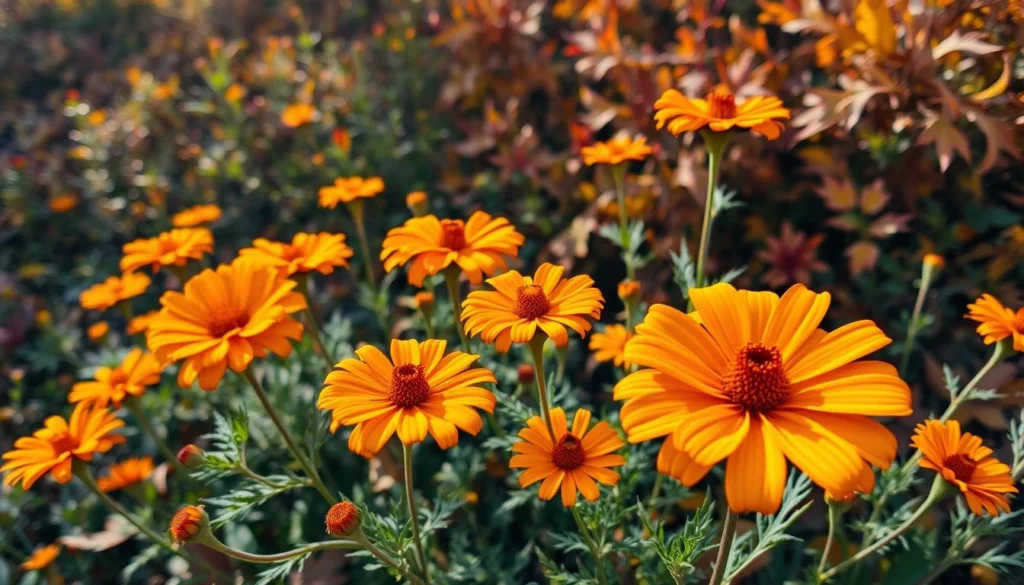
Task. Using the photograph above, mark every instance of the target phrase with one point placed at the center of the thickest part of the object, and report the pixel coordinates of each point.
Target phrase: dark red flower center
(220, 325)
(531, 302)
(409, 386)
(63, 443)
(757, 380)
(961, 465)
(453, 234)
(722, 105)
(1018, 321)
(568, 453)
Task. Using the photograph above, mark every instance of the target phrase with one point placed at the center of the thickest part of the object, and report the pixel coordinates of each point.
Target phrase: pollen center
(757, 381)
(409, 386)
(453, 234)
(961, 465)
(63, 443)
(531, 302)
(224, 323)
(1018, 321)
(568, 453)
(722, 105)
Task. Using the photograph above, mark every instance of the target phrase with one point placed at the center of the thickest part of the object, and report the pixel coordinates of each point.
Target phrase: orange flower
(98, 331)
(997, 321)
(616, 151)
(347, 190)
(520, 305)
(63, 203)
(106, 294)
(140, 323)
(187, 523)
(574, 461)
(934, 260)
(419, 390)
(343, 519)
(478, 246)
(297, 115)
(417, 203)
(126, 474)
(173, 248)
(225, 317)
(51, 448)
(610, 345)
(307, 252)
(198, 215)
(112, 385)
(41, 558)
(964, 462)
(750, 377)
(720, 113)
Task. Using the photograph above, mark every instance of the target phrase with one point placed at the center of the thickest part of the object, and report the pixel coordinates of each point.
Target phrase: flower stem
(356, 209)
(313, 326)
(281, 556)
(385, 558)
(602, 578)
(716, 144)
(724, 547)
(834, 515)
(133, 405)
(618, 179)
(451, 277)
(537, 349)
(915, 317)
(289, 441)
(410, 499)
(245, 471)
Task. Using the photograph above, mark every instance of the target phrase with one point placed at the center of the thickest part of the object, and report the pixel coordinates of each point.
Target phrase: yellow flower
(419, 390)
(97, 331)
(720, 113)
(126, 474)
(52, 448)
(197, 215)
(997, 321)
(750, 377)
(63, 203)
(113, 290)
(574, 462)
(477, 246)
(308, 252)
(225, 318)
(139, 324)
(962, 461)
(610, 345)
(297, 115)
(138, 371)
(347, 190)
(41, 558)
(616, 151)
(521, 305)
(173, 248)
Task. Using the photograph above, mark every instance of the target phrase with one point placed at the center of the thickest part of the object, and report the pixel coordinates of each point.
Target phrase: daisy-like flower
(140, 323)
(962, 461)
(52, 448)
(225, 318)
(297, 115)
(41, 558)
(106, 294)
(198, 215)
(478, 246)
(112, 385)
(610, 345)
(719, 112)
(574, 462)
(173, 248)
(753, 379)
(307, 252)
(347, 190)
(616, 151)
(419, 390)
(997, 321)
(126, 474)
(521, 305)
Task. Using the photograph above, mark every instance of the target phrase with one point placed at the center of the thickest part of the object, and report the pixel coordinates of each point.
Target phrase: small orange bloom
(997, 321)
(417, 203)
(187, 523)
(41, 558)
(106, 294)
(97, 331)
(934, 260)
(962, 461)
(610, 345)
(720, 113)
(521, 305)
(173, 248)
(297, 115)
(477, 246)
(63, 203)
(234, 93)
(343, 519)
(308, 252)
(198, 215)
(126, 474)
(112, 385)
(347, 190)
(191, 457)
(52, 448)
(575, 461)
(629, 291)
(140, 323)
(616, 151)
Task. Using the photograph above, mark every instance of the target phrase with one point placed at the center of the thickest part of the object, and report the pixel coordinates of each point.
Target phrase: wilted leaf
(115, 531)
(998, 87)
(874, 198)
(873, 20)
(839, 195)
(947, 140)
(968, 43)
(862, 257)
(999, 136)
(889, 224)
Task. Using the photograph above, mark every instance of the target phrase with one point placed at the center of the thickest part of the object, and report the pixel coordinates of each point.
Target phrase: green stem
(602, 578)
(834, 514)
(537, 350)
(716, 144)
(356, 208)
(451, 278)
(914, 327)
(386, 558)
(133, 405)
(618, 179)
(724, 547)
(313, 327)
(281, 556)
(289, 441)
(245, 471)
(410, 499)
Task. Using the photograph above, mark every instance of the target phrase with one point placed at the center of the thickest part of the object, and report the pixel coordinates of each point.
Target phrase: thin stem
(914, 327)
(724, 546)
(313, 325)
(451, 278)
(716, 144)
(410, 498)
(618, 179)
(356, 209)
(245, 471)
(281, 556)
(537, 349)
(386, 558)
(289, 441)
(132, 403)
(833, 519)
(602, 578)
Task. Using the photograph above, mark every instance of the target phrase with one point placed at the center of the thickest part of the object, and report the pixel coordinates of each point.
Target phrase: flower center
(531, 302)
(568, 453)
(961, 465)
(290, 253)
(1018, 321)
(757, 381)
(409, 386)
(63, 443)
(453, 234)
(722, 105)
(221, 325)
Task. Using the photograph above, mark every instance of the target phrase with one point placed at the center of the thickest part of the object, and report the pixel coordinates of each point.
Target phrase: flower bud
(934, 260)
(97, 332)
(417, 202)
(629, 291)
(425, 303)
(526, 374)
(188, 523)
(343, 519)
(191, 457)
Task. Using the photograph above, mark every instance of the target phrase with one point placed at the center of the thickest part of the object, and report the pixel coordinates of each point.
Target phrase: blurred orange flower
(347, 190)
(63, 203)
(106, 294)
(98, 331)
(173, 248)
(126, 474)
(297, 115)
(41, 558)
(198, 215)
(140, 323)
(720, 113)
(617, 150)
(997, 321)
(610, 345)
(137, 371)
(307, 252)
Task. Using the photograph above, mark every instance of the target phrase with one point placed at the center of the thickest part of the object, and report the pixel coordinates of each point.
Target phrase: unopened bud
(526, 374)
(425, 303)
(418, 203)
(343, 519)
(191, 457)
(188, 523)
(629, 291)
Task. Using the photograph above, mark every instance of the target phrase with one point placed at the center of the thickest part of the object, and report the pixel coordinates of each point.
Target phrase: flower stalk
(716, 144)
(313, 325)
(451, 277)
(132, 404)
(619, 181)
(588, 537)
(928, 272)
(724, 547)
(537, 351)
(410, 499)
